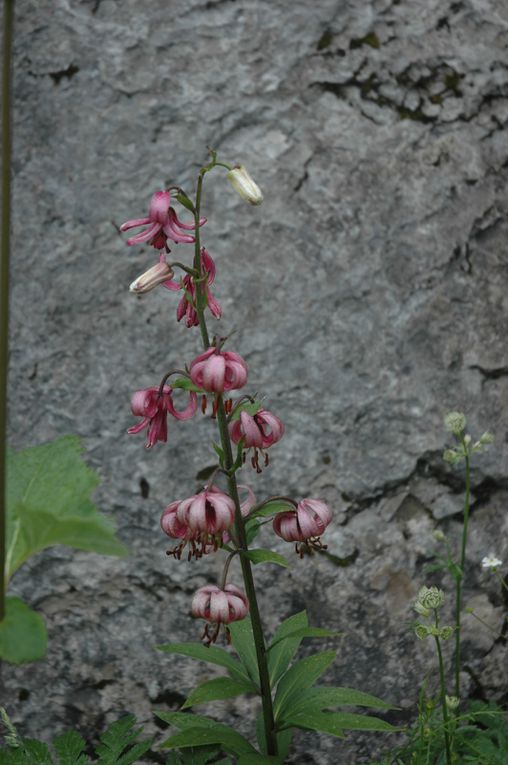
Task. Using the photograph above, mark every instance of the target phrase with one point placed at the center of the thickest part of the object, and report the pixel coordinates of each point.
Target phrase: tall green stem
(460, 573)
(4, 279)
(250, 590)
(443, 694)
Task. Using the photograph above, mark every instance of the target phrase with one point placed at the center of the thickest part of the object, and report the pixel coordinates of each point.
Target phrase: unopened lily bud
(455, 422)
(150, 279)
(245, 185)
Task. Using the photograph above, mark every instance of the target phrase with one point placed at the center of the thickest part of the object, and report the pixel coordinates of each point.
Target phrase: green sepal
(262, 555)
(249, 407)
(211, 654)
(186, 384)
(23, 635)
(185, 201)
(299, 677)
(217, 689)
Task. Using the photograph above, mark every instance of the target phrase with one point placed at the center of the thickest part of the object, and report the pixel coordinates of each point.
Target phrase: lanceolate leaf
(266, 556)
(279, 657)
(48, 503)
(243, 643)
(202, 730)
(218, 688)
(329, 697)
(185, 201)
(23, 635)
(299, 677)
(306, 632)
(212, 654)
(248, 407)
(272, 508)
(186, 384)
(335, 722)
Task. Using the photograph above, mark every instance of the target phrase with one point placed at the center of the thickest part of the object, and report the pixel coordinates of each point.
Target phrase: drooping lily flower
(154, 406)
(259, 431)
(219, 607)
(218, 371)
(162, 224)
(304, 525)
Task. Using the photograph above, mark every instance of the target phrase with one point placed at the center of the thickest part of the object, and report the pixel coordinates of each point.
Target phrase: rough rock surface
(372, 288)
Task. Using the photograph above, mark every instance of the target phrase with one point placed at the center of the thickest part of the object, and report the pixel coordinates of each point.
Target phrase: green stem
(460, 574)
(443, 694)
(240, 535)
(501, 579)
(4, 280)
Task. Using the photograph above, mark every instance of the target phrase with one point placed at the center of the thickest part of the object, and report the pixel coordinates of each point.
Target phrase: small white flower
(490, 561)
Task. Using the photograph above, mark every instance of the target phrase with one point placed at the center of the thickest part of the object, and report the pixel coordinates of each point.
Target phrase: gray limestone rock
(368, 295)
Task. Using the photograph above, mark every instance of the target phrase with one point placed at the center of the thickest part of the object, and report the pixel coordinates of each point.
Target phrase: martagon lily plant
(224, 517)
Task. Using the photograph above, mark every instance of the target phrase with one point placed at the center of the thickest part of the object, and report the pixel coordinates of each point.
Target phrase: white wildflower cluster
(455, 422)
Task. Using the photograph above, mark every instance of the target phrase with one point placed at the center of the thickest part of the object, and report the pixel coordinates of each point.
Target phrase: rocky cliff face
(368, 295)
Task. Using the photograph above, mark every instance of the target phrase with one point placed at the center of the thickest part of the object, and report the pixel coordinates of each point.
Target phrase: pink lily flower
(186, 305)
(259, 431)
(163, 224)
(304, 525)
(219, 607)
(154, 407)
(218, 371)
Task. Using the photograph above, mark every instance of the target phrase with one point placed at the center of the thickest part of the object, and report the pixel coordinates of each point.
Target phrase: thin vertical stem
(4, 279)
(443, 695)
(250, 590)
(460, 573)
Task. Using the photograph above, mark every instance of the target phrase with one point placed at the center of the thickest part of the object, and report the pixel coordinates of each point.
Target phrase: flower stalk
(8, 15)
(460, 572)
(442, 687)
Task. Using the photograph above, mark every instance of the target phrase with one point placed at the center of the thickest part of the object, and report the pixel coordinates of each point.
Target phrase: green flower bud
(439, 536)
(446, 632)
(455, 422)
(431, 597)
(421, 609)
(421, 631)
(487, 438)
(451, 456)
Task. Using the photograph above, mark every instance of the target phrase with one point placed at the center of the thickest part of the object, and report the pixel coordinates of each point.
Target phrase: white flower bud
(452, 702)
(245, 185)
(156, 275)
(455, 422)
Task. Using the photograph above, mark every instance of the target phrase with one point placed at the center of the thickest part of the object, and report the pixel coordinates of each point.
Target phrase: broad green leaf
(272, 508)
(306, 632)
(186, 384)
(185, 201)
(248, 407)
(211, 654)
(259, 759)
(252, 529)
(299, 677)
(312, 720)
(23, 635)
(279, 657)
(243, 643)
(328, 697)
(266, 556)
(218, 688)
(216, 733)
(69, 748)
(335, 722)
(48, 503)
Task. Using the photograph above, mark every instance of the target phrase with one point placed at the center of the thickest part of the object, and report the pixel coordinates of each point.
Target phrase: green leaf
(279, 657)
(266, 556)
(198, 730)
(325, 697)
(195, 755)
(248, 407)
(23, 635)
(243, 643)
(259, 759)
(219, 453)
(252, 529)
(34, 753)
(211, 654)
(283, 738)
(69, 748)
(119, 745)
(321, 721)
(306, 632)
(335, 722)
(48, 503)
(218, 688)
(299, 677)
(185, 201)
(186, 384)
(272, 508)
